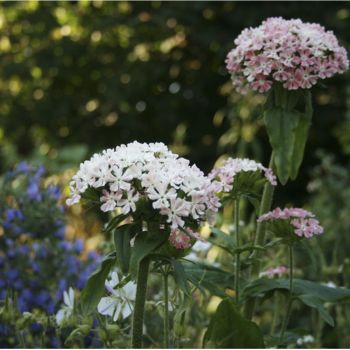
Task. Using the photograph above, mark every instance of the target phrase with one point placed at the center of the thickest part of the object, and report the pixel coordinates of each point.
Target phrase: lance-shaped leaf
(229, 330)
(143, 247)
(180, 276)
(287, 126)
(95, 286)
(317, 304)
(262, 286)
(281, 125)
(301, 134)
(208, 277)
(122, 236)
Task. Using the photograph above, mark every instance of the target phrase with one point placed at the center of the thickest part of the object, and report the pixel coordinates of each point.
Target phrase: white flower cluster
(140, 171)
(223, 177)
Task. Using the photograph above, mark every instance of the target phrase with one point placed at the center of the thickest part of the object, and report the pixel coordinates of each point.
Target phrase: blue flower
(18, 285)
(79, 245)
(42, 298)
(23, 249)
(65, 245)
(12, 274)
(60, 233)
(34, 266)
(4, 329)
(55, 343)
(54, 192)
(22, 167)
(13, 214)
(27, 294)
(33, 192)
(40, 172)
(36, 327)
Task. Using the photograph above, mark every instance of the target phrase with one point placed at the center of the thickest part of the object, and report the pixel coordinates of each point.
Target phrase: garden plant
(158, 200)
(164, 220)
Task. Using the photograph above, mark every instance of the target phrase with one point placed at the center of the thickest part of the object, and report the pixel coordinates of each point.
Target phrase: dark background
(77, 77)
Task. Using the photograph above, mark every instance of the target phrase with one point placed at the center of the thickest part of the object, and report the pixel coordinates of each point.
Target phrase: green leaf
(262, 286)
(211, 278)
(95, 287)
(281, 125)
(180, 276)
(248, 184)
(301, 134)
(222, 240)
(229, 330)
(114, 222)
(91, 194)
(317, 304)
(287, 126)
(143, 247)
(122, 236)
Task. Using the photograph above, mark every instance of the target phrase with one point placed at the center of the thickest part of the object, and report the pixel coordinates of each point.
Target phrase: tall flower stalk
(290, 295)
(139, 309)
(238, 261)
(166, 310)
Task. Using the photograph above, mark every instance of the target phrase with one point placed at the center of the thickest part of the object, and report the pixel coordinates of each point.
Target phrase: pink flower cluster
(292, 52)
(274, 271)
(224, 176)
(182, 239)
(302, 220)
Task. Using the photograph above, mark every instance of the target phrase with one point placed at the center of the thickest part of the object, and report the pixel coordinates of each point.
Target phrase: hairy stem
(166, 311)
(238, 262)
(290, 296)
(265, 206)
(137, 323)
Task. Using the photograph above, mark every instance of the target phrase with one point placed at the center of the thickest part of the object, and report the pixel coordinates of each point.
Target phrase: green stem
(290, 296)
(238, 262)
(275, 313)
(166, 311)
(137, 323)
(265, 206)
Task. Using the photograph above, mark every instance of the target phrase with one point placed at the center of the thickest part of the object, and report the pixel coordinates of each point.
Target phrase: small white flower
(201, 246)
(128, 204)
(109, 200)
(120, 300)
(161, 195)
(305, 339)
(178, 208)
(67, 309)
(120, 179)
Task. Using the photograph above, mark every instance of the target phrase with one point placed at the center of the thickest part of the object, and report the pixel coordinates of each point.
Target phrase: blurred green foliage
(103, 73)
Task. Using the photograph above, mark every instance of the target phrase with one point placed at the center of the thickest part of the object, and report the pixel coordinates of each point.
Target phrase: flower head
(131, 175)
(224, 176)
(302, 221)
(292, 52)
